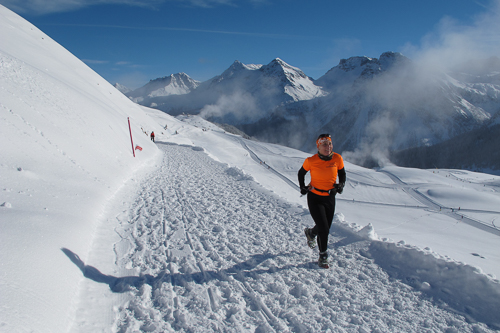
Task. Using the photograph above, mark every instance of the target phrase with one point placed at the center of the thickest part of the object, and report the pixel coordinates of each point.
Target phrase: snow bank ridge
(458, 287)
(238, 174)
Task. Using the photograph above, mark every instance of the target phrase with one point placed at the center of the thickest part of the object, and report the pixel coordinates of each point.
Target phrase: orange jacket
(323, 173)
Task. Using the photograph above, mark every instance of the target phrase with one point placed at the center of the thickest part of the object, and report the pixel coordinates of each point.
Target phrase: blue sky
(132, 42)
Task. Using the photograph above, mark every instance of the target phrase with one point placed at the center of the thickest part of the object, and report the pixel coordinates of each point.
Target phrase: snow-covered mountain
(66, 147)
(371, 106)
(474, 150)
(175, 84)
(375, 106)
(287, 82)
(292, 81)
(242, 93)
(358, 68)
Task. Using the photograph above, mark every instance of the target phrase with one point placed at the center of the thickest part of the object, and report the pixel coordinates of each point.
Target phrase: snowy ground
(203, 231)
(204, 247)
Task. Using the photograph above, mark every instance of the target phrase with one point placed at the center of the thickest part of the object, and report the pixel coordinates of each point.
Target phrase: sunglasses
(324, 136)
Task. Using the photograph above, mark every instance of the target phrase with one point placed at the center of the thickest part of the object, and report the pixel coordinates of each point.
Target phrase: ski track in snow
(216, 252)
(433, 205)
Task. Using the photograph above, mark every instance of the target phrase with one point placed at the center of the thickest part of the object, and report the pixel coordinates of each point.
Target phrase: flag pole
(132, 141)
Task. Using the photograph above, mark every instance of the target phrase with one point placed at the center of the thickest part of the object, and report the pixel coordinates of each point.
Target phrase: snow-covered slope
(65, 151)
(216, 250)
(121, 88)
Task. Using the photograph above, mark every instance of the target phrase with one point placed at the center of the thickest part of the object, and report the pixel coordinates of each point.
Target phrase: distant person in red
(153, 136)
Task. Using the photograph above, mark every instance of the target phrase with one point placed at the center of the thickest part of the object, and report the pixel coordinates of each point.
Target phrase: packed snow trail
(216, 252)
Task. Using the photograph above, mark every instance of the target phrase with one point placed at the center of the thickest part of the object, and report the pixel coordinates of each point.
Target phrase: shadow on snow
(124, 284)
(457, 287)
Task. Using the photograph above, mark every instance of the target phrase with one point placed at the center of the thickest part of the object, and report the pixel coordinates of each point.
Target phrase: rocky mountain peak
(360, 67)
(354, 63)
(287, 74)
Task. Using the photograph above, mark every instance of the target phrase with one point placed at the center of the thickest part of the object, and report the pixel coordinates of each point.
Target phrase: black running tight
(322, 209)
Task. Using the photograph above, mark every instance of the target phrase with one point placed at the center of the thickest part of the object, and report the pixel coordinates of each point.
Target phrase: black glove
(304, 190)
(339, 188)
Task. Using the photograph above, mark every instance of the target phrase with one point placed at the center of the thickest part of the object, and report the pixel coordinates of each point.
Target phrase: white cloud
(240, 105)
(453, 43)
(95, 62)
(42, 7)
